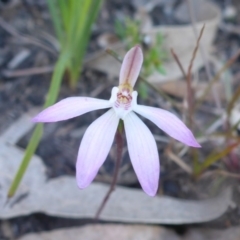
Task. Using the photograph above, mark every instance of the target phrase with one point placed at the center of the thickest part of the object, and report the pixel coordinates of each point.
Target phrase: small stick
(221, 172)
(190, 93)
(189, 80)
(179, 161)
(217, 77)
(119, 148)
(195, 50)
(38, 70)
(188, 76)
(28, 71)
(175, 56)
(202, 51)
(178, 63)
(24, 38)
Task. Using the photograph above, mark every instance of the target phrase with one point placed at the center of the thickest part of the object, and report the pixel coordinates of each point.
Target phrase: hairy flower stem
(119, 148)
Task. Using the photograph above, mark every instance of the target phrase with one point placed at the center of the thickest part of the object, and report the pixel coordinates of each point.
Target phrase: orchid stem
(119, 149)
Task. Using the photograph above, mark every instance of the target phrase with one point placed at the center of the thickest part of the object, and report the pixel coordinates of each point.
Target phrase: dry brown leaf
(61, 197)
(106, 232)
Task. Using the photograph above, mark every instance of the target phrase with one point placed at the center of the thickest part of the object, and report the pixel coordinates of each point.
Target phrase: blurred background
(53, 49)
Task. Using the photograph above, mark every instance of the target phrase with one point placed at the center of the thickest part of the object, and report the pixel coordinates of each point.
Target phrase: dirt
(60, 143)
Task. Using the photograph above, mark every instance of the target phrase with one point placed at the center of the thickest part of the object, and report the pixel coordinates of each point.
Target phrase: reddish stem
(119, 148)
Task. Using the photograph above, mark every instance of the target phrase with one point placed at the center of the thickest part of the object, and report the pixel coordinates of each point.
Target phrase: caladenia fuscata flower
(99, 136)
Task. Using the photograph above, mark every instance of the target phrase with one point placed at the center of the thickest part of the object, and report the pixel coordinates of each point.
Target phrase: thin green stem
(81, 39)
(37, 134)
(34, 141)
(56, 19)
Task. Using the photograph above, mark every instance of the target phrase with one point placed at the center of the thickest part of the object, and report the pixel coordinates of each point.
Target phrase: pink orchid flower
(99, 136)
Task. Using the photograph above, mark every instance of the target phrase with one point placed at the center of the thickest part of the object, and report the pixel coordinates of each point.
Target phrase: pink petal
(169, 123)
(69, 108)
(143, 153)
(131, 66)
(95, 146)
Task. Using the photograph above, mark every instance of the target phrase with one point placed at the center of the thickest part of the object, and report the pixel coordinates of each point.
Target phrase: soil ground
(60, 143)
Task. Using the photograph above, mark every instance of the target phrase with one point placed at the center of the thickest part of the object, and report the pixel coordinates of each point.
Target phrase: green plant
(72, 21)
(130, 33)
(154, 55)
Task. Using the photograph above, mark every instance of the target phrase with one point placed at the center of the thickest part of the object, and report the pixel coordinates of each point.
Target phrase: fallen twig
(28, 71)
(179, 161)
(202, 51)
(24, 38)
(179, 63)
(217, 77)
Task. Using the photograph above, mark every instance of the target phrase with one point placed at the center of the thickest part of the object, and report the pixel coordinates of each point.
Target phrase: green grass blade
(72, 21)
(52, 6)
(31, 148)
(214, 157)
(84, 11)
(56, 81)
(65, 10)
(83, 37)
(37, 134)
(78, 15)
(233, 100)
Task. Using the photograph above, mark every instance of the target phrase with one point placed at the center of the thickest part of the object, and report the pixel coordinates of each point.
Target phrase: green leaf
(214, 157)
(37, 134)
(233, 100)
(31, 148)
(161, 70)
(56, 18)
(72, 21)
(143, 90)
